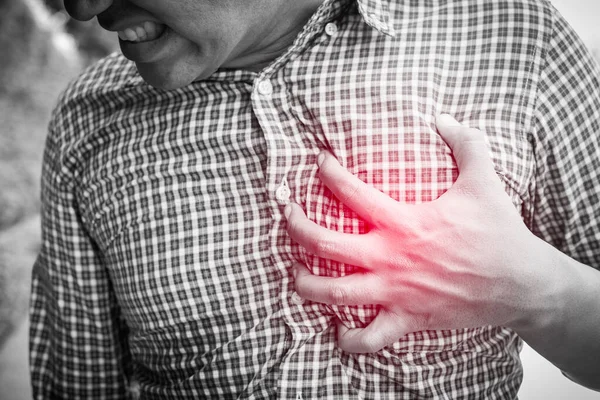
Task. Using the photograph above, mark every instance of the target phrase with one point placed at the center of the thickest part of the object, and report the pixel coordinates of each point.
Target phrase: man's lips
(155, 45)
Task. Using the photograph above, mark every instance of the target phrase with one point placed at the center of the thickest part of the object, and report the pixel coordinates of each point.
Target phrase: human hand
(464, 260)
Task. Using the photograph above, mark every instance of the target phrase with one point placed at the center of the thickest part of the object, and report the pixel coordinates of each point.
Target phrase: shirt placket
(289, 158)
(280, 171)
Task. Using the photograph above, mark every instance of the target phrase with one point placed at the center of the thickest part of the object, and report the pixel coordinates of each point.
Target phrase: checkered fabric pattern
(165, 258)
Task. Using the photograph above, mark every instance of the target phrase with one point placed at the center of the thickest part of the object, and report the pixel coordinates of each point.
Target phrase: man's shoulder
(474, 11)
(504, 29)
(108, 77)
(93, 96)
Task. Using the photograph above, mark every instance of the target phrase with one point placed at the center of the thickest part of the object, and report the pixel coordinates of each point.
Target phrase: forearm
(564, 316)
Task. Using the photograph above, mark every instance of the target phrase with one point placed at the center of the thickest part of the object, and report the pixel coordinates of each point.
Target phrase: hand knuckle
(337, 294)
(323, 246)
(318, 244)
(368, 344)
(349, 192)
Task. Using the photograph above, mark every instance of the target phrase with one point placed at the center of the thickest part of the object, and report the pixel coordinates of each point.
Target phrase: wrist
(549, 279)
(562, 318)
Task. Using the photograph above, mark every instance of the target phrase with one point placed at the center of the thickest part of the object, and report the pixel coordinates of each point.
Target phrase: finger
(356, 289)
(368, 202)
(384, 330)
(468, 148)
(342, 247)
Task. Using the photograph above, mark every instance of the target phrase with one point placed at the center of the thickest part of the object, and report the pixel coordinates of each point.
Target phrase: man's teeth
(142, 33)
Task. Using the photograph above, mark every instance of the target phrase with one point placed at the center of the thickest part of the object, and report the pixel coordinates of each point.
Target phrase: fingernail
(447, 120)
(287, 211)
(295, 272)
(320, 159)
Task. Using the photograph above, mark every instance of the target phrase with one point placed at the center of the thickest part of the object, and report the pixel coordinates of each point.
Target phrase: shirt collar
(376, 14)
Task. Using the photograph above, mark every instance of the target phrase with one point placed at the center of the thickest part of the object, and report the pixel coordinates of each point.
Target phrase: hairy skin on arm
(464, 260)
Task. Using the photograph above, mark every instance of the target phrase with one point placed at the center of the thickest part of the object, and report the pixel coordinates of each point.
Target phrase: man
(166, 257)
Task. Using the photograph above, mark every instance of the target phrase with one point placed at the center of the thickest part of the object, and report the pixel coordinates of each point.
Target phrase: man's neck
(274, 41)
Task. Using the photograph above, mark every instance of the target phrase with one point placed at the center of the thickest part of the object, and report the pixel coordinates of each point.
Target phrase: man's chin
(170, 78)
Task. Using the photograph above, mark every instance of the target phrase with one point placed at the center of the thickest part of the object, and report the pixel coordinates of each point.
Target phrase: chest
(181, 196)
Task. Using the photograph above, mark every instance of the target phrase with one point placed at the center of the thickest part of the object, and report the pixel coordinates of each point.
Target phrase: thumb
(384, 330)
(468, 148)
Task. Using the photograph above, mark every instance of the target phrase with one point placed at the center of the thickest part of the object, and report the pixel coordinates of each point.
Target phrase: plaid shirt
(165, 258)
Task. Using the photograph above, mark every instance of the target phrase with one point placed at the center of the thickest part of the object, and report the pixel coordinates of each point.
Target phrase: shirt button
(331, 29)
(265, 88)
(283, 192)
(296, 299)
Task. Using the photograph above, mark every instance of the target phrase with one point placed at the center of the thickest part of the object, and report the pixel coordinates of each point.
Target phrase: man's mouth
(144, 32)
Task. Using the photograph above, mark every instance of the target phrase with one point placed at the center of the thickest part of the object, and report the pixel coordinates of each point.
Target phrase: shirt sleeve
(567, 147)
(78, 346)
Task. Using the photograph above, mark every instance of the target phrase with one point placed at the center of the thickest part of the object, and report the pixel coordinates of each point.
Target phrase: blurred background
(42, 50)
